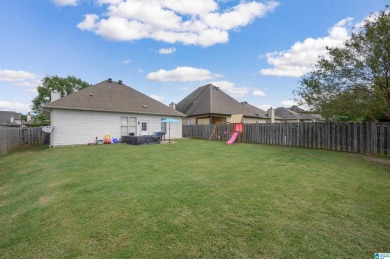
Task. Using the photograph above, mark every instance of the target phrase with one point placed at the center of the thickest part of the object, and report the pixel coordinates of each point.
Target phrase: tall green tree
(64, 85)
(353, 80)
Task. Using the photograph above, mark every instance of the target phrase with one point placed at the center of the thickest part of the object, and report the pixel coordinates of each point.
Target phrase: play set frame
(235, 129)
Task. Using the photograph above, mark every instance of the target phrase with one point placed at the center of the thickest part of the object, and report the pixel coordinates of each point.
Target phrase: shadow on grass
(29, 148)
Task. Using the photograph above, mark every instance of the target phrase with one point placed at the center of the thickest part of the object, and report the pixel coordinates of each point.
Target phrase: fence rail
(368, 138)
(12, 138)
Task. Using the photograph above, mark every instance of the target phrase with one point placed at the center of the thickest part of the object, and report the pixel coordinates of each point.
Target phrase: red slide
(233, 138)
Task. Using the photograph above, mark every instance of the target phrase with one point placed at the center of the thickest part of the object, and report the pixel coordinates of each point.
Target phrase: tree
(353, 80)
(63, 85)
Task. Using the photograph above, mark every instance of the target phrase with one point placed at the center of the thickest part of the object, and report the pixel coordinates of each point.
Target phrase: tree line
(352, 82)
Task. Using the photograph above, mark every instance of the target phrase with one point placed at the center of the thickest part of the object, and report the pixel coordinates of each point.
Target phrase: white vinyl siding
(80, 127)
(128, 126)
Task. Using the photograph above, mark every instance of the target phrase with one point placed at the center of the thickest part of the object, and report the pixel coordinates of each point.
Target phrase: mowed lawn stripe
(194, 198)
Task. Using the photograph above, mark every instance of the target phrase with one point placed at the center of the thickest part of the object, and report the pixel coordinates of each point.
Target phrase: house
(210, 105)
(108, 107)
(297, 109)
(292, 115)
(29, 122)
(10, 119)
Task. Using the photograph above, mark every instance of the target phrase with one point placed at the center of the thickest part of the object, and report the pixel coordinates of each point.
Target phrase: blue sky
(256, 51)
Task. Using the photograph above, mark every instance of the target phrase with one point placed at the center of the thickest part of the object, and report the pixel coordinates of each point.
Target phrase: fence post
(373, 138)
(388, 139)
(381, 139)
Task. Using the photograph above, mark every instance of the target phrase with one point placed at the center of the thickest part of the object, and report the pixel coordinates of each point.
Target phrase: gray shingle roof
(297, 109)
(261, 114)
(113, 97)
(5, 117)
(286, 114)
(311, 116)
(209, 99)
(289, 114)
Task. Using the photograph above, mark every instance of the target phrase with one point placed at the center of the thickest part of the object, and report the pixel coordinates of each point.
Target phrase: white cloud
(288, 103)
(258, 93)
(22, 78)
(15, 75)
(157, 98)
(264, 107)
(370, 18)
(201, 23)
(191, 7)
(240, 15)
(302, 56)
(65, 2)
(231, 89)
(185, 89)
(127, 61)
(180, 74)
(89, 22)
(167, 51)
(102, 2)
(14, 106)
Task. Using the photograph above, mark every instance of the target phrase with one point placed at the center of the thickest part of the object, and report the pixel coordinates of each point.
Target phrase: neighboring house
(312, 117)
(297, 109)
(10, 119)
(291, 115)
(30, 121)
(108, 108)
(35, 123)
(210, 105)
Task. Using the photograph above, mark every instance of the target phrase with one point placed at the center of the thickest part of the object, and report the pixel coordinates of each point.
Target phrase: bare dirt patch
(167, 142)
(45, 200)
(379, 160)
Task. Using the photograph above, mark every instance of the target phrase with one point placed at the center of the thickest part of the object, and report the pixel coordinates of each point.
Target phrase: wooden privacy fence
(12, 138)
(359, 137)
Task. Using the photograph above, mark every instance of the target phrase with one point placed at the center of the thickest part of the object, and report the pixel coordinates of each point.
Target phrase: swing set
(235, 129)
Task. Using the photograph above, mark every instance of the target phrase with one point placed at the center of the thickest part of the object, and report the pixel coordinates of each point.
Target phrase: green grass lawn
(194, 198)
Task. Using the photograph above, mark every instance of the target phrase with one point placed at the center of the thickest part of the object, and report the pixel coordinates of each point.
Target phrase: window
(144, 126)
(124, 126)
(128, 125)
(163, 126)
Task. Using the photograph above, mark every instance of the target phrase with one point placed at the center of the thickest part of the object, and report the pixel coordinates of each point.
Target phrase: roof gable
(286, 114)
(209, 99)
(113, 97)
(198, 102)
(5, 117)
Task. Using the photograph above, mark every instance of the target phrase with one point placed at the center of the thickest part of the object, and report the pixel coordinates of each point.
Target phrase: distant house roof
(258, 112)
(297, 109)
(111, 96)
(286, 114)
(289, 114)
(209, 99)
(5, 118)
(311, 116)
(30, 122)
